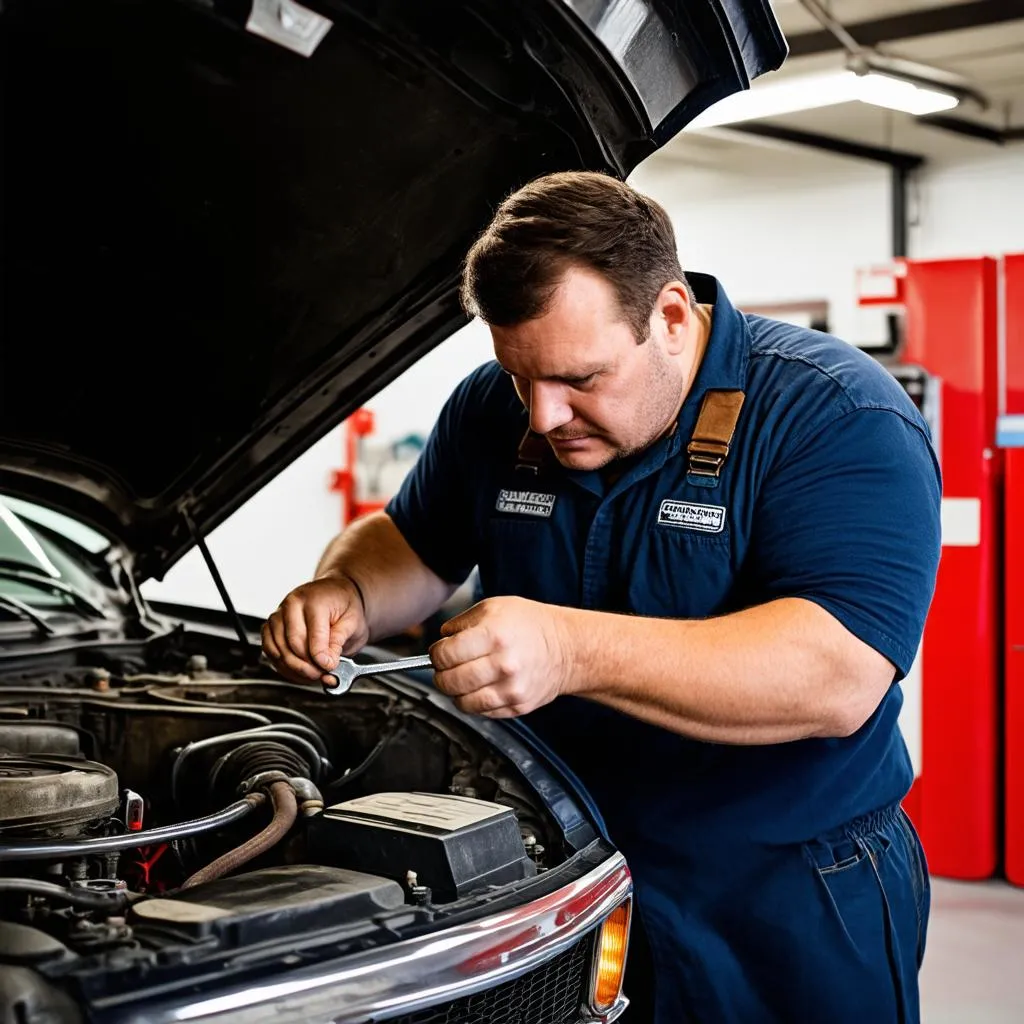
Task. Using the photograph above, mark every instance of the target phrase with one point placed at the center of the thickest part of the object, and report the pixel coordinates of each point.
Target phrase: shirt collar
(724, 366)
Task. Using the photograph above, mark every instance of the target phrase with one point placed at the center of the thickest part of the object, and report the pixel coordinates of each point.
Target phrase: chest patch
(689, 516)
(526, 503)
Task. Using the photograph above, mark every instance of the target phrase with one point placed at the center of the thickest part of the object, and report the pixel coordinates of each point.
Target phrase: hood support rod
(236, 619)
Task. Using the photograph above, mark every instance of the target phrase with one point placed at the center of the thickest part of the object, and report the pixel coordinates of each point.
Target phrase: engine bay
(148, 816)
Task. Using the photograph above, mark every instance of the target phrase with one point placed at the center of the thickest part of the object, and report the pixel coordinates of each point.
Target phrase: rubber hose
(286, 809)
(59, 849)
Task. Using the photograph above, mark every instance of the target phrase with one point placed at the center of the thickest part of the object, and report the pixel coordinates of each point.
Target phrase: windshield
(48, 562)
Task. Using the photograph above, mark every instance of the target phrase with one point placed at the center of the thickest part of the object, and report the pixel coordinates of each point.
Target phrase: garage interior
(895, 222)
(804, 215)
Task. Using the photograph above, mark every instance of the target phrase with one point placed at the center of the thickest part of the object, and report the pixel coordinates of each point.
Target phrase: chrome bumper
(427, 971)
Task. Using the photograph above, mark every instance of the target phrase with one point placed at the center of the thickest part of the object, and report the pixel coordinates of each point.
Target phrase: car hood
(228, 223)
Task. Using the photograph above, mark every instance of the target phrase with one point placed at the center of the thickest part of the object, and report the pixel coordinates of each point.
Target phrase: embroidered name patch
(688, 516)
(526, 503)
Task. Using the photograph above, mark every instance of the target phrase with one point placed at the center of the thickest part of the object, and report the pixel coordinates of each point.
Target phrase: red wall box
(951, 332)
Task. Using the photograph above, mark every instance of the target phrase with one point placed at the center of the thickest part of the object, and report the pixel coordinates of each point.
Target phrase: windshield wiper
(20, 608)
(25, 572)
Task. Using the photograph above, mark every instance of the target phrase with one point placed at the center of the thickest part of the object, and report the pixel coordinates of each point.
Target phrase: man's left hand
(503, 657)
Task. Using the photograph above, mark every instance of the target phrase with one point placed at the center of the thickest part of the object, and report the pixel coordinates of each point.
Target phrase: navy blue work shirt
(830, 493)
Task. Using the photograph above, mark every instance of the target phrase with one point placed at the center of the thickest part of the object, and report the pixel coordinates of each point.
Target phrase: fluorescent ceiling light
(884, 90)
(825, 89)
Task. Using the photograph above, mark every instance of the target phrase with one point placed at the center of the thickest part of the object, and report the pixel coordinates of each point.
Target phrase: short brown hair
(574, 218)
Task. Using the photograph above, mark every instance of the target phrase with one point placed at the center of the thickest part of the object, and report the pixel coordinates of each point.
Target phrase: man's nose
(548, 408)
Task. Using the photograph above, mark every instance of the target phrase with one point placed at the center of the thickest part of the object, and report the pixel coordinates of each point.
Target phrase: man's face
(590, 389)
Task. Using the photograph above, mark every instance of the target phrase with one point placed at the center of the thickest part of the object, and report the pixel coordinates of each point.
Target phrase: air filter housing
(454, 844)
(53, 797)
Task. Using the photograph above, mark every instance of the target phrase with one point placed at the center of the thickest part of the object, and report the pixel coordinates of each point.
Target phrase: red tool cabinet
(1011, 439)
(952, 707)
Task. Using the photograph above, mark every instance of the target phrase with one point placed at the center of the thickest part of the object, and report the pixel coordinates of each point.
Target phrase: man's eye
(582, 382)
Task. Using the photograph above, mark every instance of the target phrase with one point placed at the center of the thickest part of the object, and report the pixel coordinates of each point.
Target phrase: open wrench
(348, 671)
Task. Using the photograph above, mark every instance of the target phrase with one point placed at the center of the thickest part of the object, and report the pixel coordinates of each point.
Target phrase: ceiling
(981, 40)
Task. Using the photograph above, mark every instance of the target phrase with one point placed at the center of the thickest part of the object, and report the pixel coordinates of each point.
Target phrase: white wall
(411, 403)
(777, 226)
(781, 229)
(789, 225)
(971, 208)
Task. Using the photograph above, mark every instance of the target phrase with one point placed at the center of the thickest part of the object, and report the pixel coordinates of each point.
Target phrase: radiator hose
(282, 797)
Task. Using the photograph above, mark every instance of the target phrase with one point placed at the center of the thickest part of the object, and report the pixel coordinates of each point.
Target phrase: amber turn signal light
(610, 959)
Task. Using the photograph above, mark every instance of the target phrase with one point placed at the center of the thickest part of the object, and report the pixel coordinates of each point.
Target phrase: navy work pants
(826, 932)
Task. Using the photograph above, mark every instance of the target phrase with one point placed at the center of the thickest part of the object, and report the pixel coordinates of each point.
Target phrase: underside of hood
(216, 245)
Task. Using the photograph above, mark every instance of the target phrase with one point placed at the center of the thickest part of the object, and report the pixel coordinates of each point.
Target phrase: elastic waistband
(870, 822)
(857, 828)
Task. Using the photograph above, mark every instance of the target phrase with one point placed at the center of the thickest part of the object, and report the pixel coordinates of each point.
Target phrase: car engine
(145, 815)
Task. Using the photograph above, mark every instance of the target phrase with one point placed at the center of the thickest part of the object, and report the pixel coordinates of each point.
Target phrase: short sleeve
(850, 519)
(434, 509)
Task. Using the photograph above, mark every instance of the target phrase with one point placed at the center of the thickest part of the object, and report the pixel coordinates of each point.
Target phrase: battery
(454, 844)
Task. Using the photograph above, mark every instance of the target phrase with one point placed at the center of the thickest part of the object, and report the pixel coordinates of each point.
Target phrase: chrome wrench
(348, 671)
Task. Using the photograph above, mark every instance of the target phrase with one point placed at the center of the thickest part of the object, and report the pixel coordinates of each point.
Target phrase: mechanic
(707, 542)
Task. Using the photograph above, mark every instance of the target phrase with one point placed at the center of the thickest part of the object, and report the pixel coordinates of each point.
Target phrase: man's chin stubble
(609, 459)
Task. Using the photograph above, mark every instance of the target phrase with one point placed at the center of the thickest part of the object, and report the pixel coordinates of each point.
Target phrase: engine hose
(299, 729)
(84, 899)
(282, 796)
(311, 800)
(259, 733)
(249, 759)
(108, 844)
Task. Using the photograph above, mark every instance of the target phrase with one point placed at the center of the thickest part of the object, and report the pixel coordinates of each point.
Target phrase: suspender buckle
(706, 459)
(712, 435)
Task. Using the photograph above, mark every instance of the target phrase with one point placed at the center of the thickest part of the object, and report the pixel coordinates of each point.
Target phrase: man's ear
(674, 309)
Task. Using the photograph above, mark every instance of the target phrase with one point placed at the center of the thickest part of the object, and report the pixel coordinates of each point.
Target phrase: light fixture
(868, 76)
(610, 959)
(825, 89)
(885, 90)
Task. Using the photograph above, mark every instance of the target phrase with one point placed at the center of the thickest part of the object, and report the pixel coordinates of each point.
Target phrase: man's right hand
(313, 626)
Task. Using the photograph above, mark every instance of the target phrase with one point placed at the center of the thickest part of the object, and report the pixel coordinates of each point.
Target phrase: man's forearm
(397, 589)
(782, 671)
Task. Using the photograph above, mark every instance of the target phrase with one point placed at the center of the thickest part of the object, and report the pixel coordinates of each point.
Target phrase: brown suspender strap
(716, 424)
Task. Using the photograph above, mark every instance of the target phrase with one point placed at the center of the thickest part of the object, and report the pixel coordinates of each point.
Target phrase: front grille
(549, 994)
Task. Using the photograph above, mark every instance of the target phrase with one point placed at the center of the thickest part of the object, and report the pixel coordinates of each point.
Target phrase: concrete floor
(973, 969)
